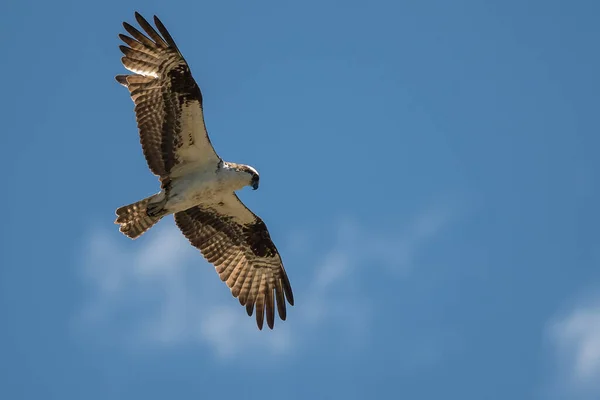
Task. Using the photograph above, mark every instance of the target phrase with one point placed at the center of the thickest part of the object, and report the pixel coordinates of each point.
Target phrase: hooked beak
(254, 185)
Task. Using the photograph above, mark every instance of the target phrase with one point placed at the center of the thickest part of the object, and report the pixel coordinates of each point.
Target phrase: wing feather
(260, 307)
(236, 286)
(150, 30)
(165, 33)
(139, 36)
(250, 308)
(136, 45)
(238, 244)
(280, 298)
(244, 296)
(270, 304)
(168, 101)
(138, 55)
(234, 276)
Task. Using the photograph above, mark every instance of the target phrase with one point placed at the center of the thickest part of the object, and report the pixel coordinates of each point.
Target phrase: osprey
(197, 186)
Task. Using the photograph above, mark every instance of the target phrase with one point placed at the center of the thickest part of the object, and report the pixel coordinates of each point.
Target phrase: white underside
(203, 186)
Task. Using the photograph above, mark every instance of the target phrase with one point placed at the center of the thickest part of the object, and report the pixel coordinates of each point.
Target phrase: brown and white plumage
(168, 102)
(197, 186)
(237, 242)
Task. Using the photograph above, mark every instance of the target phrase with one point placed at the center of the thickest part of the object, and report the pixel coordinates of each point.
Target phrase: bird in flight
(196, 185)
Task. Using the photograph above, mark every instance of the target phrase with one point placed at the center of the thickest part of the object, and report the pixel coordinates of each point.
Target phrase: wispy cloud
(159, 291)
(576, 339)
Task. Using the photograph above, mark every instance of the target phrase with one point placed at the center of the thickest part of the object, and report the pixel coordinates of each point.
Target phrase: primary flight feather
(197, 186)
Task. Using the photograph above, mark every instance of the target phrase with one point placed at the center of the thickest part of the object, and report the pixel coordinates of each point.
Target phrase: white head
(248, 175)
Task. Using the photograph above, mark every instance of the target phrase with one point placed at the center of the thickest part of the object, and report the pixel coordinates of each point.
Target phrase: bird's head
(251, 174)
(254, 178)
(245, 175)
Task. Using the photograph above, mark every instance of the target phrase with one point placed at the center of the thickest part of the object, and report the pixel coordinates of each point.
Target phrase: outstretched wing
(168, 102)
(238, 244)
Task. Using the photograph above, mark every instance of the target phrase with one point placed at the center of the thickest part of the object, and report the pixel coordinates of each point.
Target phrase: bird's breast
(195, 189)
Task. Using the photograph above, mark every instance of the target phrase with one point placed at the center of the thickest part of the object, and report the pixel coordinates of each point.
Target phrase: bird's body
(203, 185)
(197, 186)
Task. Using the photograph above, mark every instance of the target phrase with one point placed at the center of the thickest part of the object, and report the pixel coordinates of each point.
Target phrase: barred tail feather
(134, 218)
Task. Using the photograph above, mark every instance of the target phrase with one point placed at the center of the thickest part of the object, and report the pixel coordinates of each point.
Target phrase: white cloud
(159, 291)
(576, 339)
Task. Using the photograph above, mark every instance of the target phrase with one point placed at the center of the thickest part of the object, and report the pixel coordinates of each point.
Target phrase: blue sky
(428, 171)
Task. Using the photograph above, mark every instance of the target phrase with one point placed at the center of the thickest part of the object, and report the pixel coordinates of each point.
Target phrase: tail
(134, 218)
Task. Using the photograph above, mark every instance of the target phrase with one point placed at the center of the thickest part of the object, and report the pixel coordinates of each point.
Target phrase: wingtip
(140, 19)
(122, 79)
(157, 21)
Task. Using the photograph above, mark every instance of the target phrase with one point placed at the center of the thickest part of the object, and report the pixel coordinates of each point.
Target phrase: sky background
(429, 172)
